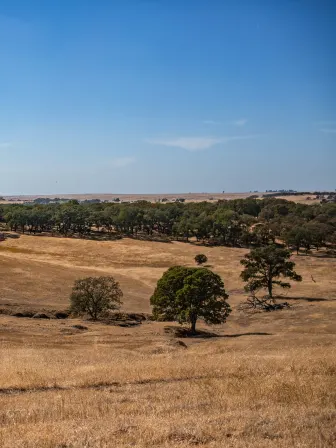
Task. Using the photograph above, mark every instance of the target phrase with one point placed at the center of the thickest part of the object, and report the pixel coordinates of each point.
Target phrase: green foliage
(313, 233)
(95, 296)
(298, 237)
(201, 259)
(236, 223)
(187, 294)
(264, 266)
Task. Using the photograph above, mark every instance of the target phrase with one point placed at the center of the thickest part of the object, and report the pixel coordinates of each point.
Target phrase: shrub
(201, 259)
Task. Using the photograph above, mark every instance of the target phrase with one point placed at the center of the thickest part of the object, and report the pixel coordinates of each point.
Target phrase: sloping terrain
(266, 380)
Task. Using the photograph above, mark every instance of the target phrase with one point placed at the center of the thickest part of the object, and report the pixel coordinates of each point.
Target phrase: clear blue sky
(137, 96)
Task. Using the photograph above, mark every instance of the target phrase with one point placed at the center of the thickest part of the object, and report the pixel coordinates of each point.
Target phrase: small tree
(265, 265)
(95, 296)
(187, 294)
(201, 259)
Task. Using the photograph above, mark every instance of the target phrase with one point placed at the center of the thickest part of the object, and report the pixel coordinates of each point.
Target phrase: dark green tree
(187, 294)
(95, 296)
(264, 266)
(201, 259)
(298, 237)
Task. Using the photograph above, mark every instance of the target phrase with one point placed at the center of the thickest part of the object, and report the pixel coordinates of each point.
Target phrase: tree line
(236, 223)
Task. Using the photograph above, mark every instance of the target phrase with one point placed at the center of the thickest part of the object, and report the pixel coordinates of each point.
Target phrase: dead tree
(264, 303)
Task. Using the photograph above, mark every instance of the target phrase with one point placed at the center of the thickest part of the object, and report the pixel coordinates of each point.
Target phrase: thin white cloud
(328, 131)
(211, 122)
(325, 123)
(188, 143)
(196, 143)
(5, 145)
(120, 162)
(241, 122)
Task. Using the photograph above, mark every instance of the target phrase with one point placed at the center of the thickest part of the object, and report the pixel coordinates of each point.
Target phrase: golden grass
(213, 394)
(41, 270)
(267, 380)
(189, 197)
(301, 199)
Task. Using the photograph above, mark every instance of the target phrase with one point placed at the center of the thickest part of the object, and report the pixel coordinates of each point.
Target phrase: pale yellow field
(267, 380)
(301, 199)
(189, 197)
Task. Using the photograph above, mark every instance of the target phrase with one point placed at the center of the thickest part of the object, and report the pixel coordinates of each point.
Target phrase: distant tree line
(271, 193)
(236, 223)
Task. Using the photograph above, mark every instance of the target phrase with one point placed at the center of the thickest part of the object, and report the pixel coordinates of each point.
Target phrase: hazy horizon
(177, 193)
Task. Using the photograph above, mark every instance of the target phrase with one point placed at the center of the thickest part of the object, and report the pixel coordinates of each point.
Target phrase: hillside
(266, 380)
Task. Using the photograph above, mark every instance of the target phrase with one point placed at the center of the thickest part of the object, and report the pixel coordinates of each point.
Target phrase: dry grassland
(267, 380)
(301, 199)
(189, 197)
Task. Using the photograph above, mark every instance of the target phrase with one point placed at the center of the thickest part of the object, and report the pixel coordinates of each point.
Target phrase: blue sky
(141, 96)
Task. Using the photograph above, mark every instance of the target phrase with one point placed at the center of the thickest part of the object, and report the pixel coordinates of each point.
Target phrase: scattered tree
(187, 294)
(201, 259)
(95, 296)
(264, 266)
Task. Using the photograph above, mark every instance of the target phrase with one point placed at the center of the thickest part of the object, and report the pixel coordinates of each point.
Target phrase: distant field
(189, 197)
(267, 380)
(301, 199)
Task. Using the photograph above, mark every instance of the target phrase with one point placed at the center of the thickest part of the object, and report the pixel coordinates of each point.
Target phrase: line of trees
(237, 223)
(187, 294)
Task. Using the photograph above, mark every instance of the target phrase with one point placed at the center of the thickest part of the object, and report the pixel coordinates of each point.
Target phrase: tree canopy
(95, 296)
(186, 294)
(201, 259)
(236, 223)
(265, 266)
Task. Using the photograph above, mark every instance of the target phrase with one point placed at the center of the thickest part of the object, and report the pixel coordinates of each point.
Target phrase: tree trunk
(193, 324)
(270, 288)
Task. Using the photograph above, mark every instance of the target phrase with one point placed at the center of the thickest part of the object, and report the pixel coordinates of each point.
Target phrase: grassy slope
(268, 381)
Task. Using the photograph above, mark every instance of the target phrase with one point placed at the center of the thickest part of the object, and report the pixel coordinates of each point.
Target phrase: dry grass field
(189, 197)
(266, 380)
(301, 199)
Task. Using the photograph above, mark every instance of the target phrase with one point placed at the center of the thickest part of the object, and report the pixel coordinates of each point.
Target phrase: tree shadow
(324, 255)
(77, 236)
(6, 235)
(204, 334)
(318, 254)
(307, 299)
(150, 238)
(238, 335)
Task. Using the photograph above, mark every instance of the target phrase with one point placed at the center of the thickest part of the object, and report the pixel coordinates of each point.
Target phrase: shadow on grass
(150, 238)
(77, 236)
(307, 299)
(238, 335)
(325, 255)
(13, 236)
(331, 253)
(203, 334)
